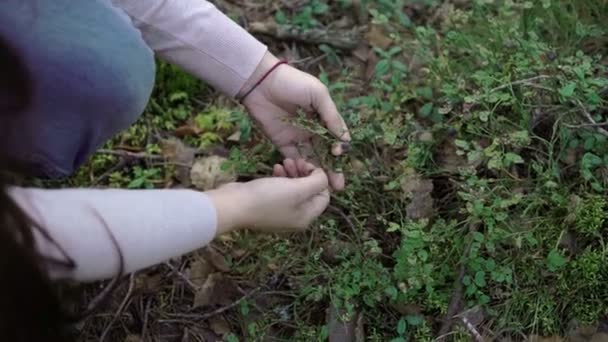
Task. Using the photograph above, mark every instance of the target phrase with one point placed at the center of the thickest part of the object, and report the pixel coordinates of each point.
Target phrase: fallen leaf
(536, 338)
(219, 325)
(448, 159)
(599, 337)
(176, 152)
(238, 253)
(340, 330)
(334, 251)
(419, 191)
(207, 173)
(148, 283)
(360, 328)
(236, 136)
(216, 259)
(200, 269)
(188, 130)
(217, 290)
(407, 309)
(133, 338)
(377, 37)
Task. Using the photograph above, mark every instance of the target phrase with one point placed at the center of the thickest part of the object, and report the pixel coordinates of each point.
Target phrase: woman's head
(30, 309)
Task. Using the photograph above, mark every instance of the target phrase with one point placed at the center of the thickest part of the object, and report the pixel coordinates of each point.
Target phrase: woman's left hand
(277, 99)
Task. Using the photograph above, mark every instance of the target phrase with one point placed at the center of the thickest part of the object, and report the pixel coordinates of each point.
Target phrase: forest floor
(476, 201)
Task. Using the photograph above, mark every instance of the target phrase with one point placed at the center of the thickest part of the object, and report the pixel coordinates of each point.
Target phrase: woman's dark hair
(30, 309)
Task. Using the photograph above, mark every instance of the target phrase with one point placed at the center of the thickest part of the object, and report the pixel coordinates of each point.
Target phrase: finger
(341, 147)
(304, 168)
(279, 171)
(326, 108)
(291, 168)
(312, 185)
(317, 205)
(337, 181)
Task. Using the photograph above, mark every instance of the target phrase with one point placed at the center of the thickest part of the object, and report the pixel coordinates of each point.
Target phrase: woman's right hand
(290, 201)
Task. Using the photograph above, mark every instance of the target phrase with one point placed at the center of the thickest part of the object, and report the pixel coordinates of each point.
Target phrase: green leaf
(495, 163)
(280, 17)
(513, 158)
(136, 183)
(414, 320)
(426, 110)
(480, 279)
(555, 260)
(568, 90)
(393, 227)
(401, 326)
(382, 67)
(425, 92)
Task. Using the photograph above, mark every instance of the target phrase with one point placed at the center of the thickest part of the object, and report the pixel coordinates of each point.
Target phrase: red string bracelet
(262, 79)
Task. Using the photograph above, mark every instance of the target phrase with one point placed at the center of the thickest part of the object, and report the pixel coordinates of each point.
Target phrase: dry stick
(145, 324)
(346, 40)
(121, 163)
(182, 276)
(228, 307)
(121, 308)
(471, 328)
(131, 155)
(344, 216)
(527, 80)
(590, 118)
(456, 294)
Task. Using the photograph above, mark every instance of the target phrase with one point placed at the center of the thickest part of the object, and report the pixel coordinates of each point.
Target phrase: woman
(73, 74)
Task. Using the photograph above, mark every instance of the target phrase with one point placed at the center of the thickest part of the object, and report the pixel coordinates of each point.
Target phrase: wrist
(230, 209)
(267, 62)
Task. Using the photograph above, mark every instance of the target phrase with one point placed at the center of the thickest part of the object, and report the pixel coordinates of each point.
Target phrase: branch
(454, 305)
(341, 39)
(524, 81)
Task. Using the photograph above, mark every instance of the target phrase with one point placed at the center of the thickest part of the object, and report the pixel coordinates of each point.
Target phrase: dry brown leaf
(207, 173)
(333, 250)
(133, 338)
(219, 325)
(377, 37)
(340, 330)
(200, 269)
(599, 337)
(407, 309)
(175, 151)
(236, 136)
(188, 130)
(360, 328)
(217, 290)
(148, 283)
(536, 338)
(216, 259)
(447, 158)
(419, 191)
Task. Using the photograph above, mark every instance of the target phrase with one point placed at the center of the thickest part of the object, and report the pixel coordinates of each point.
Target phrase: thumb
(311, 185)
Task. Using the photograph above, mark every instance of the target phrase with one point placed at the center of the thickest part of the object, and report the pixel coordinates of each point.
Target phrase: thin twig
(471, 328)
(122, 306)
(590, 118)
(121, 163)
(457, 293)
(228, 307)
(144, 329)
(215, 312)
(182, 276)
(527, 80)
(129, 154)
(344, 217)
